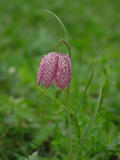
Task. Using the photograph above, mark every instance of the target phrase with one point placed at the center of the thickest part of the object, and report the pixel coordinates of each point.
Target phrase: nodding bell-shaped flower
(54, 68)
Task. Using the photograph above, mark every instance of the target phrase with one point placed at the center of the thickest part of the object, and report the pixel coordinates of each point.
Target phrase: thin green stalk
(69, 125)
(68, 106)
(91, 123)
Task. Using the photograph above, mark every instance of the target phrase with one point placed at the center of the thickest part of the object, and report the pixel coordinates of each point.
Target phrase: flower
(54, 68)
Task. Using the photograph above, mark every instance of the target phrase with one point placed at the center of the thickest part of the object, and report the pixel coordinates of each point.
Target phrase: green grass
(34, 119)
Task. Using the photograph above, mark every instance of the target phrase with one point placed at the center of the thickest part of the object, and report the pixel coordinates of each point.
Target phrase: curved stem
(66, 44)
(68, 106)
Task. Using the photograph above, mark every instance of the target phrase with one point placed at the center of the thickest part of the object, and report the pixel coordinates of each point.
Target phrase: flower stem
(66, 44)
(69, 125)
(68, 106)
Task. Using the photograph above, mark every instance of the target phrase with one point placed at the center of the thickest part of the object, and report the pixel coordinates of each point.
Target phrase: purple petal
(63, 74)
(39, 73)
(48, 68)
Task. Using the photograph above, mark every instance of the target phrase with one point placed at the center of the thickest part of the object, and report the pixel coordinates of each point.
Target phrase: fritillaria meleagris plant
(56, 68)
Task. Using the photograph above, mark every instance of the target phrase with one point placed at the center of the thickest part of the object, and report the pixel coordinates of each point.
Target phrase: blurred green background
(33, 119)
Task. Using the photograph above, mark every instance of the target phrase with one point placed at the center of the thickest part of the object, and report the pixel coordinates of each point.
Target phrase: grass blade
(84, 93)
(59, 20)
(91, 122)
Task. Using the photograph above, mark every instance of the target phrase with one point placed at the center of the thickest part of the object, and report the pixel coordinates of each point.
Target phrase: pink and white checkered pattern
(54, 68)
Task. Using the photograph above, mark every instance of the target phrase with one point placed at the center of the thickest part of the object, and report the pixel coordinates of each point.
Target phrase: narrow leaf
(91, 122)
(59, 20)
(83, 95)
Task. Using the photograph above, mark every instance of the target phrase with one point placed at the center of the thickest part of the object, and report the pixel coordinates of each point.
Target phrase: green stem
(68, 106)
(69, 125)
(66, 44)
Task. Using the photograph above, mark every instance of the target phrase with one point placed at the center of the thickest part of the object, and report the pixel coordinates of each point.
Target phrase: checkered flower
(54, 68)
